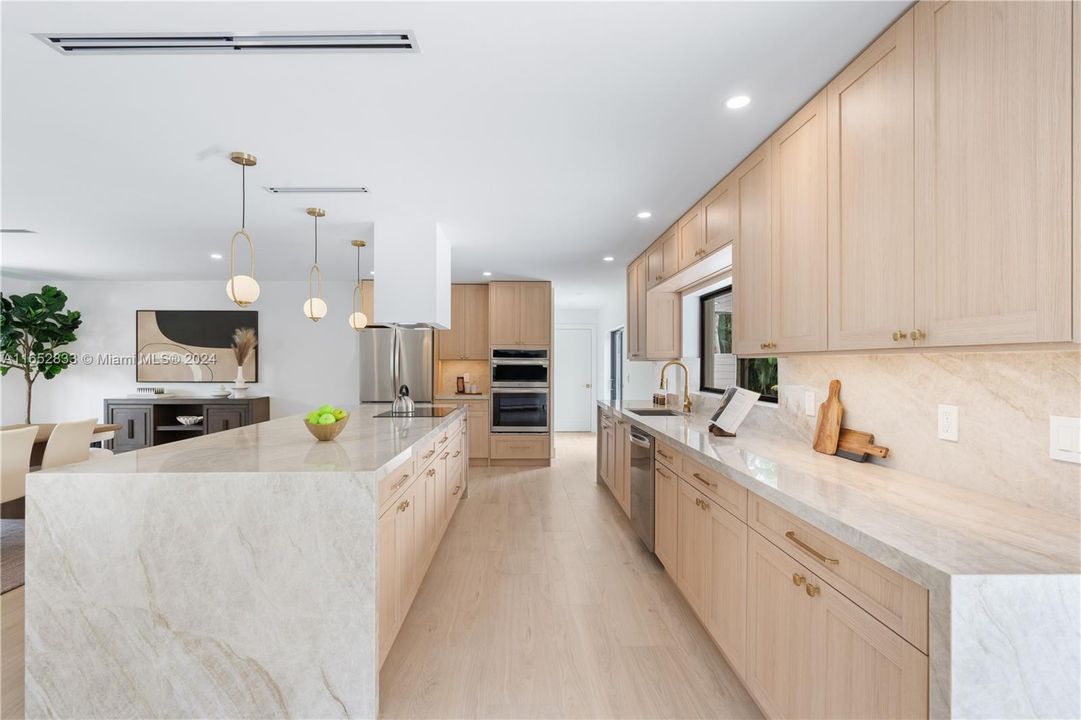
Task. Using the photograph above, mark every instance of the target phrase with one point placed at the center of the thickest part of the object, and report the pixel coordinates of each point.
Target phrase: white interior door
(574, 381)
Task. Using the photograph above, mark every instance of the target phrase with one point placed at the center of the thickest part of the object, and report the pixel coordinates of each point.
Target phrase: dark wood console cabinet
(145, 422)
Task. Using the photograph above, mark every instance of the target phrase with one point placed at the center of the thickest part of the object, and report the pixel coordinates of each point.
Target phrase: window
(720, 367)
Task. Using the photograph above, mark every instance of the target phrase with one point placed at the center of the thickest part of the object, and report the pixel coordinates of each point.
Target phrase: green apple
(313, 417)
(326, 419)
(338, 413)
(323, 409)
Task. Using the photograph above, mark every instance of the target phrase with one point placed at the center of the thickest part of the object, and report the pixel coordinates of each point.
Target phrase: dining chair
(101, 452)
(68, 443)
(15, 448)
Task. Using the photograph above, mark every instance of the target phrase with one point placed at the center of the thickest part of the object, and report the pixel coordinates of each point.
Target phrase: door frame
(592, 369)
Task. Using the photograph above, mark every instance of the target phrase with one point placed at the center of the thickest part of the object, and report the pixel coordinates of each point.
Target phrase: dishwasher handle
(641, 441)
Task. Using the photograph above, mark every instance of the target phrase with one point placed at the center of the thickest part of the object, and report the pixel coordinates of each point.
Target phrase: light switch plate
(809, 402)
(948, 421)
(1066, 439)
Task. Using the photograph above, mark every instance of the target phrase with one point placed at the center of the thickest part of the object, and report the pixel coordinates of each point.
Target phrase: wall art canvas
(192, 345)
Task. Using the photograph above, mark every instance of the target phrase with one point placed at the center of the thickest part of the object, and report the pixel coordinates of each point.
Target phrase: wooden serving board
(828, 429)
(857, 441)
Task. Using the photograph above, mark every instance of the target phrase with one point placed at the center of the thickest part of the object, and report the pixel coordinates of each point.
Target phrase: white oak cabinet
(752, 267)
(871, 213)
(691, 229)
(726, 596)
(520, 313)
(662, 259)
(719, 208)
(467, 338)
(666, 494)
(992, 168)
(654, 319)
(692, 547)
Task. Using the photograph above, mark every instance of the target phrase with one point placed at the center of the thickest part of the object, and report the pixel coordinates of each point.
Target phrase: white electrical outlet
(948, 421)
(809, 403)
(1066, 439)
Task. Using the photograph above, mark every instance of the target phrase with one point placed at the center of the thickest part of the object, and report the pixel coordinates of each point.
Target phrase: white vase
(239, 382)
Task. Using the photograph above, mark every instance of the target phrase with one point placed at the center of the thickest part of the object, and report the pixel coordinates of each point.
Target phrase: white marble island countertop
(367, 444)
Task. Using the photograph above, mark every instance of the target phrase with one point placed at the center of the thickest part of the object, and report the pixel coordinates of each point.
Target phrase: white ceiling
(534, 132)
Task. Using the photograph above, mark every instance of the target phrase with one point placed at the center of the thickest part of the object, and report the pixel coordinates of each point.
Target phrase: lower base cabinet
(666, 490)
(726, 596)
(412, 526)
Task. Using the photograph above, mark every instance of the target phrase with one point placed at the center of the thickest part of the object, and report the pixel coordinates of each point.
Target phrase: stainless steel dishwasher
(642, 490)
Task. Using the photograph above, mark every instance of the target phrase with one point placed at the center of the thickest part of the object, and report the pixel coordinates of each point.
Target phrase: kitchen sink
(652, 411)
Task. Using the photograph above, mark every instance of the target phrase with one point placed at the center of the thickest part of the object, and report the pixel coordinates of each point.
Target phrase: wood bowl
(323, 433)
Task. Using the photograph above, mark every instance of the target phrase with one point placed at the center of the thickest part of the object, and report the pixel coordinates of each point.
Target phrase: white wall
(301, 364)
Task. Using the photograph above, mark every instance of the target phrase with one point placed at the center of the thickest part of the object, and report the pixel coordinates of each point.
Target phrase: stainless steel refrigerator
(377, 369)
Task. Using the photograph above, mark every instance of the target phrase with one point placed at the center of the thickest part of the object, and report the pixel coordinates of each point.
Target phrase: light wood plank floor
(542, 603)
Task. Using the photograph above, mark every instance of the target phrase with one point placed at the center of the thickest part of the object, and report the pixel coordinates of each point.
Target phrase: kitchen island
(968, 602)
(231, 575)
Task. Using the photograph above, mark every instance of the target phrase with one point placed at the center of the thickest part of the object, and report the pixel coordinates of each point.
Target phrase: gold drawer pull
(663, 454)
(701, 503)
(442, 439)
(663, 474)
(403, 505)
(798, 579)
(444, 456)
(456, 489)
(431, 472)
(812, 590)
(702, 480)
(428, 454)
(791, 535)
(398, 484)
(457, 453)
(899, 335)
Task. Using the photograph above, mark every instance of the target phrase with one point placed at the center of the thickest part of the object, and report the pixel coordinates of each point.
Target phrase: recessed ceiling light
(486, 274)
(371, 272)
(736, 102)
(215, 256)
(645, 214)
(608, 258)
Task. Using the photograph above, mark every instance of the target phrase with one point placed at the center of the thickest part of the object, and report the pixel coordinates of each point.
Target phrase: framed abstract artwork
(192, 345)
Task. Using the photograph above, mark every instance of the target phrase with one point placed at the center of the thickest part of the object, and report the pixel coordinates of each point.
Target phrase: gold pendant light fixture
(242, 289)
(315, 309)
(357, 320)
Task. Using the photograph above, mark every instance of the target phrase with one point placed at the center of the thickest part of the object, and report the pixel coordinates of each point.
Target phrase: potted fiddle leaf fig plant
(33, 328)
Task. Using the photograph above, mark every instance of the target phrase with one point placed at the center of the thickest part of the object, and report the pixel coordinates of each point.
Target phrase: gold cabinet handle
(456, 489)
(444, 456)
(917, 335)
(761, 346)
(663, 454)
(428, 454)
(442, 439)
(812, 590)
(702, 480)
(431, 472)
(798, 579)
(663, 474)
(403, 505)
(899, 335)
(457, 453)
(791, 535)
(701, 503)
(398, 484)
(659, 277)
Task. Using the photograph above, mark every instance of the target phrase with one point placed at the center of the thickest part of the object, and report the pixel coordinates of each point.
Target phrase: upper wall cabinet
(798, 304)
(752, 269)
(662, 259)
(467, 338)
(520, 313)
(692, 236)
(719, 208)
(870, 186)
(992, 172)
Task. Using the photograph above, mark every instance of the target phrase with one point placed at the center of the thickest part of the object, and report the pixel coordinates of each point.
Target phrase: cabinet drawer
(665, 454)
(731, 496)
(519, 447)
(425, 453)
(394, 482)
(894, 600)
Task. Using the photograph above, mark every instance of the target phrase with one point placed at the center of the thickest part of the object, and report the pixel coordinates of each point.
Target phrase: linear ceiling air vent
(299, 189)
(227, 42)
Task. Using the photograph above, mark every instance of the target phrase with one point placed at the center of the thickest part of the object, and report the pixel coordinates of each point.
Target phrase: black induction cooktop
(425, 412)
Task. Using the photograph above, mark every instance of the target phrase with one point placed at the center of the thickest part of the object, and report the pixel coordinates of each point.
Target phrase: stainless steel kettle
(403, 404)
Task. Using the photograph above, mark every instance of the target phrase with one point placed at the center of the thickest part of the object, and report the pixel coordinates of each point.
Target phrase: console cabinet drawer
(894, 600)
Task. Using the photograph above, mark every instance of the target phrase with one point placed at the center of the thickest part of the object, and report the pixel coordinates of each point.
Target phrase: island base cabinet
(812, 652)
(388, 584)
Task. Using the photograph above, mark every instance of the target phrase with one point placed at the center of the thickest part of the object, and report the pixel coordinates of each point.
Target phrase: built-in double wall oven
(519, 390)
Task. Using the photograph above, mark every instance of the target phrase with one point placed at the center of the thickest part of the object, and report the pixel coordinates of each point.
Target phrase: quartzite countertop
(227, 575)
(1004, 579)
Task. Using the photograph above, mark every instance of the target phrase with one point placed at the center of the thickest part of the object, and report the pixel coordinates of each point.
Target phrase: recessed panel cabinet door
(719, 208)
(388, 582)
(992, 168)
(474, 340)
(780, 669)
(692, 547)
(504, 299)
(798, 280)
(752, 266)
(536, 313)
(632, 309)
(664, 520)
(871, 206)
(726, 617)
(450, 341)
(692, 230)
(405, 545)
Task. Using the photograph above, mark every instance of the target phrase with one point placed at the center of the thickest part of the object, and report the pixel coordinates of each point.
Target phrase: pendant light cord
(316, 219)
(243, 195)
(358, 265)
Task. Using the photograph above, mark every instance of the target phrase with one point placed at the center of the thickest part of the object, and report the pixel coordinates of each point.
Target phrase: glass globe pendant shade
(358, 321)
(315, 309)
(242, 290)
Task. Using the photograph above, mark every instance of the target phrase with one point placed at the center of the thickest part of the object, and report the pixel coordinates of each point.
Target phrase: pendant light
(357, 320)
(314, 307)
(242, 289)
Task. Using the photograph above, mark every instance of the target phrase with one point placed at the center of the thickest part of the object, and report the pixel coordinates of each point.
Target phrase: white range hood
(412, 273)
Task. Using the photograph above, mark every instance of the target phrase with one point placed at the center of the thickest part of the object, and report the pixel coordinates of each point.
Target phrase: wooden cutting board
(828, 429)
(856, 441)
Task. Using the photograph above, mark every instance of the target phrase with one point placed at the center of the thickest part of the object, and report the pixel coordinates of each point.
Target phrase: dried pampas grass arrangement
(244, 341)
